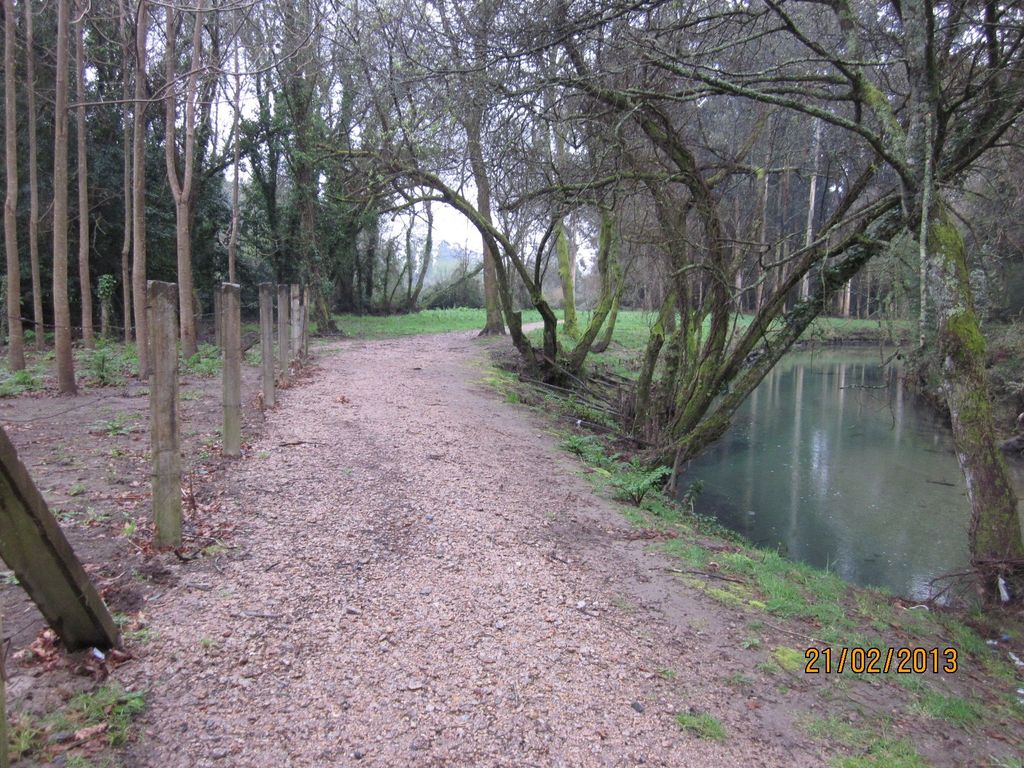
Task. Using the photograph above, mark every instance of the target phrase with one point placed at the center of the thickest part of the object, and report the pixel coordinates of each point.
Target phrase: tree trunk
(812, 197)
(428, 247)
(655, 341)
(16, 341)
(566, 275)
(84, 282)
(182, 188)
(235, 128)
(494, 325)
(611, 286)
(995, 530)
(762, 251)
(33, 182)
(609, 327)
(126, 240)
(61, 308)
(139, 191)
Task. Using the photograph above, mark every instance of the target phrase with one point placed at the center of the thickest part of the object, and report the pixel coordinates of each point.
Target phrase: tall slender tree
(126, 168)
(182, 187)
(236, 133)
(84, 281)
(61, 307)
(16, 342)
(139, 189)
(33, 180)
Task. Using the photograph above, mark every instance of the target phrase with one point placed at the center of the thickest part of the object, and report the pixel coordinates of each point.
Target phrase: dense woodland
(737, 168)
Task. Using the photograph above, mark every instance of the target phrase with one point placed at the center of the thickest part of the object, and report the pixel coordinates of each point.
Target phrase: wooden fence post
(232, 337)
(267, 341)
(296, 299)
(217, 314)
(283, 357)
(305, 322)
(34, 547)
(162, 308)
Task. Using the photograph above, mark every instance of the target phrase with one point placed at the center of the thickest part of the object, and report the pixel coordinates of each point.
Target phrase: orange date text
(880, 661)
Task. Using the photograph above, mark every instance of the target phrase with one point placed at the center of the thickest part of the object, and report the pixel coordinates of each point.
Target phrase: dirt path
(424, 580)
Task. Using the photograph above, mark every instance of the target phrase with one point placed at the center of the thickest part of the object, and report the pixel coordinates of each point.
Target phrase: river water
(833, 463)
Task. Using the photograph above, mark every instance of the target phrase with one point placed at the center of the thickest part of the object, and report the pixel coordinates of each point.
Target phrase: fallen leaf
(85, 734)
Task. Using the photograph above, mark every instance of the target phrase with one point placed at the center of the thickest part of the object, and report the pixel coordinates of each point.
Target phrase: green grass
(632, 330)
(29, 379)
(873, 747)
(701, 724)
(426, 321)
(109, 706)
(632, 327)
(952, 709)
(108, 365)
(206, 362)
(122, 423)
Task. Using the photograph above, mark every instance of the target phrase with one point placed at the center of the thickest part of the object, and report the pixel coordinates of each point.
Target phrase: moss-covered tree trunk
(567, 276)
(611, 288)
(655, 341)
(995, 531)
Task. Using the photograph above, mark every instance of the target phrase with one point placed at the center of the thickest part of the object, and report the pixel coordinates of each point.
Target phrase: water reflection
(832, 463)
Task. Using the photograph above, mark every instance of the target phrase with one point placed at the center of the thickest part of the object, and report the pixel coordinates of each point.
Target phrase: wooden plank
(34, 547)
(232, 337)
(267, 341)
(162, 308)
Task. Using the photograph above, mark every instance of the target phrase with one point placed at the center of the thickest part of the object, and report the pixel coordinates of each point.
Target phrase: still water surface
(833, 463)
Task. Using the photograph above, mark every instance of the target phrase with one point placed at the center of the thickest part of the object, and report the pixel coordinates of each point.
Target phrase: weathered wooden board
(34, 547)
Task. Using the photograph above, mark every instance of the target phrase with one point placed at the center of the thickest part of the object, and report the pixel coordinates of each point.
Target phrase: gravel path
(423, 580)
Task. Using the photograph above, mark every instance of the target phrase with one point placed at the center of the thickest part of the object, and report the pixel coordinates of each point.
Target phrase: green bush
(205, 362)
(19, 382)
(636, 481)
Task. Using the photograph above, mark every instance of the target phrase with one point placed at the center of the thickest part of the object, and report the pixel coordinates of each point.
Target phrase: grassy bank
(785, 608)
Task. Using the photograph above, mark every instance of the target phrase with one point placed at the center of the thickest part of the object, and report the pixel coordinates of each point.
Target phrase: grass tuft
(701, 724)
